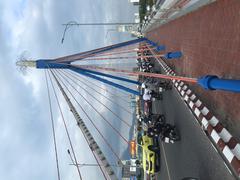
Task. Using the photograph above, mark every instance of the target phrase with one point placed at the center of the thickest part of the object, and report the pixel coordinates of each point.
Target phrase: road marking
(228, 168)
(164, 154)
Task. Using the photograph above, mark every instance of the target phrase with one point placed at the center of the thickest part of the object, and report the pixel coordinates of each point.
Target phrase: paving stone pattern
(210, 41)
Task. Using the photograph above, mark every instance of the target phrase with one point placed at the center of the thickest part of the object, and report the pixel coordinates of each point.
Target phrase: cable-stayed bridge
(92, 75)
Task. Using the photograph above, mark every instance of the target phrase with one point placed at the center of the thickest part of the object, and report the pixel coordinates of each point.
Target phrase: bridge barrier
(168, 55)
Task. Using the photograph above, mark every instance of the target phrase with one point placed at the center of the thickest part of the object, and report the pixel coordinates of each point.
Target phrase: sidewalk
(210, 41)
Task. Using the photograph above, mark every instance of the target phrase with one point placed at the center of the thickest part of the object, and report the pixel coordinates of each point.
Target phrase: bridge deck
(210, 41)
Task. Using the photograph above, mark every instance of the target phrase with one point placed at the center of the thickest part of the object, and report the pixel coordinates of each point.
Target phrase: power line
(53, 129)
(64, 122)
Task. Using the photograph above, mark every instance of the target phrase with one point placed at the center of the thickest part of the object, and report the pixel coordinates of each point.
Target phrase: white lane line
(165, 159)
(228, 169)
(214, 147)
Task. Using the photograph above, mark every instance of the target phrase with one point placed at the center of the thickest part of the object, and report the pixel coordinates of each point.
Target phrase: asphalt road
(193, 155)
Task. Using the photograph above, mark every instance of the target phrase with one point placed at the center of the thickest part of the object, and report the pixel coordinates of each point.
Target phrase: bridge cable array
(80, 85)
(109, 99)
(65, 127)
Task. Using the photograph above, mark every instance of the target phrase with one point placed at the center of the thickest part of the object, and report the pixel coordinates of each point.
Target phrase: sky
(34, 27)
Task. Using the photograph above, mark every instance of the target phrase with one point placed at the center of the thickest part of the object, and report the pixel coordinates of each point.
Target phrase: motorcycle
(146, 68)
(147, 108)
(165, 84)
(167, 132)
(160, 85)
(157, 95)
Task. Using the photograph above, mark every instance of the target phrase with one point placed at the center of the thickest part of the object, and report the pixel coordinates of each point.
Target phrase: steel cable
(65, 125)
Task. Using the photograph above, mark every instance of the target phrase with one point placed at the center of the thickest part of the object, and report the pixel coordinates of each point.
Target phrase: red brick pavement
(210, 41)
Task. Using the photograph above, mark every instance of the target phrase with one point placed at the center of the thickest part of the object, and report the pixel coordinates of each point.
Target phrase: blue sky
(26, 150)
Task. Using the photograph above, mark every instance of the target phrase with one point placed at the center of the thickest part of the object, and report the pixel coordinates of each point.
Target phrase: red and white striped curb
(225, 142)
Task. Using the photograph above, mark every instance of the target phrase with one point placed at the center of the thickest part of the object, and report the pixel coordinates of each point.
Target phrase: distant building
(126, 174)
(132, 29)
(130, 169)
(136, 18)
(135, 2)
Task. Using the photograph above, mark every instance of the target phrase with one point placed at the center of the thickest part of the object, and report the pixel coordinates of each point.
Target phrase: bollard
(212, 82)
(152, 43)
(160, 48)
(172, 55)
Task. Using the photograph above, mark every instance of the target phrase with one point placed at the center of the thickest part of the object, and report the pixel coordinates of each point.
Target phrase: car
(150, 155)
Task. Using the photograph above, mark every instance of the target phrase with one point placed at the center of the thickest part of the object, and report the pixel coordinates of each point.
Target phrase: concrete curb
(225, 142)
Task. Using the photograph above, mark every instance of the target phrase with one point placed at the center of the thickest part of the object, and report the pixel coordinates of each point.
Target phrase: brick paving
(210, 41)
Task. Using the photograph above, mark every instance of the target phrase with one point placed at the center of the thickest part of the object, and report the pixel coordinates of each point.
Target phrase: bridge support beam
(85, 73)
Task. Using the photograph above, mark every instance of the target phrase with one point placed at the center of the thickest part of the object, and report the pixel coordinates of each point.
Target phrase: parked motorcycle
(147, 108)
(157, 95)
(146, 67)
(165, 84)
(167, 132)
(160, 85)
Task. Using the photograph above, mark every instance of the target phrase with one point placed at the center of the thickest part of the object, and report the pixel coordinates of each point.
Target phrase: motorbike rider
(166, 131)
(147, 95)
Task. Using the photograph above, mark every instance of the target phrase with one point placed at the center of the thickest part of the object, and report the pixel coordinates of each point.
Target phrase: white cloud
(26, 137)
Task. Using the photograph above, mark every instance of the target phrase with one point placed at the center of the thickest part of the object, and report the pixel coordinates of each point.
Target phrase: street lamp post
(74, 23)
(69, 153)
(97, 165)
(119, 164)
(110, 30)
(94, 165)
(98, 24)
(67, 26)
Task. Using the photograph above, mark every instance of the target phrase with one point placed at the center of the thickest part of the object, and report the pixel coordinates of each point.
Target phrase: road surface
(194, 155)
